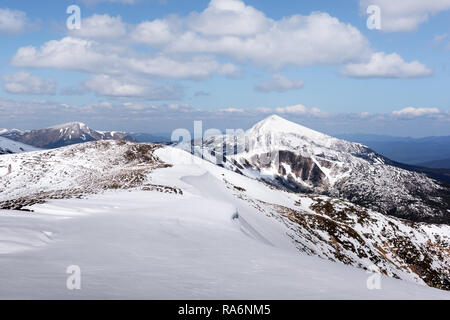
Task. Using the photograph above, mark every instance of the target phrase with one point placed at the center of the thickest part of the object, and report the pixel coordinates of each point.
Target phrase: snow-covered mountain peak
(278, 124)
(2, 131)
(277, 133)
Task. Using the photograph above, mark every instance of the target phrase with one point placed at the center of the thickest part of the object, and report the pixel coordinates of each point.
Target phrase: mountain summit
(288, 134)
(276, 123)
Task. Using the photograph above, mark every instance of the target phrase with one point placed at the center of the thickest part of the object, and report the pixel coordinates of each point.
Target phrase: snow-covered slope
(9, 146)
(63, 135)
(181, 227)
(299, 159)
(73, 171)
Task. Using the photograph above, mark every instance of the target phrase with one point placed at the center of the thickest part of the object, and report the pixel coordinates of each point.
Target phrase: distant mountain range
(433, 152)
(430, 152)
(73, 133)
(62, 135)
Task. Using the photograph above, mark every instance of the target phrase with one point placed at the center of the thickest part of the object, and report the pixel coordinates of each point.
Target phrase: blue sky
(157, 65)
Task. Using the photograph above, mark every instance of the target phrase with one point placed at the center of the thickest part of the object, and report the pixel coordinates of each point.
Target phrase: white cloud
(296, 40)
(279, 83)
(96, 57)
(229, 17)
(25, 83)
(68, 53)
(232, 110)
(405, 15)
(156, 32)
(437, 39)
(382, 65)
(130, 115)
(105, 85)
(198, 67)
(12, 21)
(101, 27)
(233, 29)
(441, 39)
(416, 112)
(298, 109)
(191, 47)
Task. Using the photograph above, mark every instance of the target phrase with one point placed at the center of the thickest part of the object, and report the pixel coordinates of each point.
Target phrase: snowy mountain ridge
(171, 180)
(63, 135)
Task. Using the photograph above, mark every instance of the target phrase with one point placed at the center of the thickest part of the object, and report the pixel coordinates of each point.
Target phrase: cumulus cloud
(402, 15)
(296, 40)
(214, 41)
(92, 56)
(298, 109)
(68, 53)
(416, 112)
(279, 83)
(105, 85)
(382, 65)
(26, 83)
(12, 21)
(232, 110)
(230, 28)
(101, 27)
(156, 32)
(233, 29)
(229, 17)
